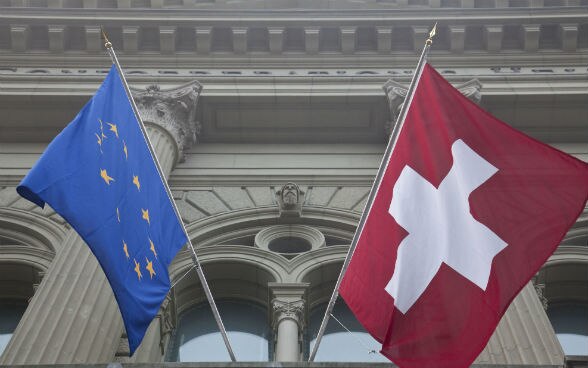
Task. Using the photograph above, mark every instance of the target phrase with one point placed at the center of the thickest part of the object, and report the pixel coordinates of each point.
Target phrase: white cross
(441, 228)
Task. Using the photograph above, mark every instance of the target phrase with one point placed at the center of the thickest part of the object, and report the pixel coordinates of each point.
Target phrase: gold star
(152, 247)
(138, 269)
(113, 128)
(117, 214)
(146, 215)
(149, 268)
(102, 135)
(125, 149)
(126, 249)
(105, 176)
(99, 140)
(136, 182)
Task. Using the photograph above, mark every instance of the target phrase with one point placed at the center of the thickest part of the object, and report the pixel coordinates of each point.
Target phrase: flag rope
(184, 275)
(370, 351)
(199, 271)
(375, 186)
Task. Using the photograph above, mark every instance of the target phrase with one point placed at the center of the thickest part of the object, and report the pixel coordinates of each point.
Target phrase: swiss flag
(467, 212)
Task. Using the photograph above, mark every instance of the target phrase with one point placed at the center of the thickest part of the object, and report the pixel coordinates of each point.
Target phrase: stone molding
(313, 237)
(332, 5)
(173, 109)
(396, 93)
(35, 230)
(168, 321)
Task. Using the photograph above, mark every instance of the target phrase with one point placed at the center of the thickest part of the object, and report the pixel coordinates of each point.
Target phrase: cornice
(278, 16)
(154, 32)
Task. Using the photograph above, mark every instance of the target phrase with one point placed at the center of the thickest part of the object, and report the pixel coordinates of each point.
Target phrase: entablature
(466, 35)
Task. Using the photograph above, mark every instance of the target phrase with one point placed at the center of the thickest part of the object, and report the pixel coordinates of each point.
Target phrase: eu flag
(99, 175)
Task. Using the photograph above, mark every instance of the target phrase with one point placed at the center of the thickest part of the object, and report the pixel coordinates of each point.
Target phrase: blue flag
(99, 175)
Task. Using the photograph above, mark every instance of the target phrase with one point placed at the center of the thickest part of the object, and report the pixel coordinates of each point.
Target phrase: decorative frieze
(531, 33)
(248, 5)
(56, 38)
(568, 34)
(384, 39)
(130, 38)
(311, 39)
(139, 38)
(93, 39)
(167, 38)
(276, 39)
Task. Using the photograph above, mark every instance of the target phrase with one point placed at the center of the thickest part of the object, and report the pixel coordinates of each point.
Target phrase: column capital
(288, 301)
(396, 93)
(174, 110)
(288, 310)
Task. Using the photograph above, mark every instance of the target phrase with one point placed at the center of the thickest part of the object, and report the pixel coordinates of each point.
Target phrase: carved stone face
(290, 194)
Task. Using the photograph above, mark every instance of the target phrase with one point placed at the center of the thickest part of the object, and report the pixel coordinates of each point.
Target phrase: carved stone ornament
(172, 109)
(540, 290)
(290, 199)
(293, 310)
(167, 322)
(396, 93)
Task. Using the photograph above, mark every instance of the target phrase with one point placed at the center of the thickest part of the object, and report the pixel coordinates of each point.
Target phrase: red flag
(467, 212)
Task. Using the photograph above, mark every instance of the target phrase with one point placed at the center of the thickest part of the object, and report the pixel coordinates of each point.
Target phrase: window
(16, 288)
(564, 281)
(197, 337)
(337, 344)
(570, 322)
(11, 312)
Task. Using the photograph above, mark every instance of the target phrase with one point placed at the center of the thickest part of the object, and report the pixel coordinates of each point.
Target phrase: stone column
(73, 317)
(288, 319)
(170, 120)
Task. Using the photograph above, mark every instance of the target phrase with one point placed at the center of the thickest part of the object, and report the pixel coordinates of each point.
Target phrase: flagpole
(198, 267)
(375, 186)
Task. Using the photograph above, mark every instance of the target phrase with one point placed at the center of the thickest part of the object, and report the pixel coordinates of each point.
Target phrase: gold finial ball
(108, 44)
(429, 42)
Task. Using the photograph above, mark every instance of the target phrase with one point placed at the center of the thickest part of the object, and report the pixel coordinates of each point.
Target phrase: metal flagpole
(375, 186)
(203, 281)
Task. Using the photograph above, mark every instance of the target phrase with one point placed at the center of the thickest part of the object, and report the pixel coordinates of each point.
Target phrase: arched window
(337, 344)
(570, 322)
(564, 285)
(11, 312)
(197, 337)
(16, 288)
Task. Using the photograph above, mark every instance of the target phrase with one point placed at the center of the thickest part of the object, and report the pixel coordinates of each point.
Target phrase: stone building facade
(269, 119)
